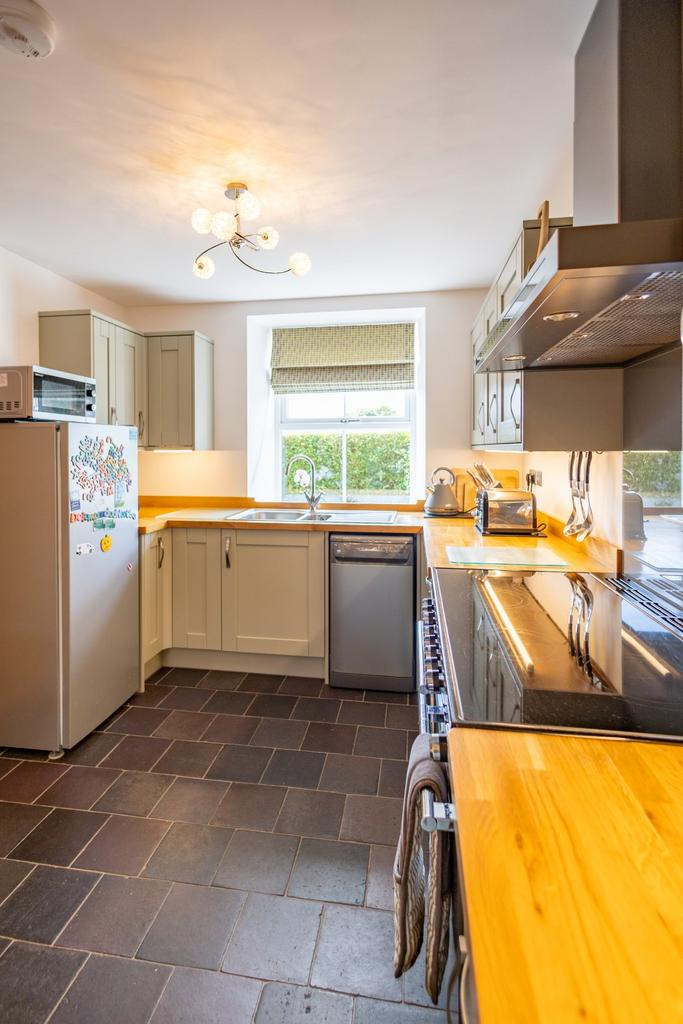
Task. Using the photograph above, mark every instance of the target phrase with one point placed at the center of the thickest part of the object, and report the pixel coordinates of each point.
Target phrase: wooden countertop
(572, 856)
(437, 534)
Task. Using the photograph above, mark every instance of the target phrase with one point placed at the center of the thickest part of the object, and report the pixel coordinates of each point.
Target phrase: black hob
(560, 651)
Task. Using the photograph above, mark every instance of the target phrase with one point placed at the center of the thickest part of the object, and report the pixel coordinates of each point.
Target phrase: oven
(38, 393)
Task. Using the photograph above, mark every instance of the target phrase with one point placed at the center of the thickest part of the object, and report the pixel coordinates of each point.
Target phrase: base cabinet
(156, 561)
(197, 588)
(273, 597)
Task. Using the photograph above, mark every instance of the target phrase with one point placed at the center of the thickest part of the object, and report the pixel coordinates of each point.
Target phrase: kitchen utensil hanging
(580, 521)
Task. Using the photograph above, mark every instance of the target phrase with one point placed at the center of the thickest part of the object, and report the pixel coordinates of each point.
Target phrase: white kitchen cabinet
(88, 343)
(156, 599)
(479, 387)
(509, 406)
(180, 390)
(273, 592)
(197, 588)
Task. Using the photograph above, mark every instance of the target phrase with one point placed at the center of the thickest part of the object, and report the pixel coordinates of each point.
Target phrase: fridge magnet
(84, 549)
(106, 543)
(130, 567)
(99, 470)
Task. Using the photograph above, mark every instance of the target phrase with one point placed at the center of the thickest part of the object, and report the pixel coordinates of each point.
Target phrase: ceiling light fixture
(226, 225)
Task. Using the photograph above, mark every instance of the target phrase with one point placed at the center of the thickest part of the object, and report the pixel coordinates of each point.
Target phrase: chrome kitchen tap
(313, 499)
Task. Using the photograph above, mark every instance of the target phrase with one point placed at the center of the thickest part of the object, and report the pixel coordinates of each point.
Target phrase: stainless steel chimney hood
(609, 290)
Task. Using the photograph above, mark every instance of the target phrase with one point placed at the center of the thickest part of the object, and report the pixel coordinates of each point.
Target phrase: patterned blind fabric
(356, 357)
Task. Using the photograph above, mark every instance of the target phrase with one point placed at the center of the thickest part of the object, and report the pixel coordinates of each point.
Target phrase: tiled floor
(219, 851)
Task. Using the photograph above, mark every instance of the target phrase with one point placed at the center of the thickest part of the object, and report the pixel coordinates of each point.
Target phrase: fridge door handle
(227, 552)
(141, 425)
(162, 554)
(112, 415)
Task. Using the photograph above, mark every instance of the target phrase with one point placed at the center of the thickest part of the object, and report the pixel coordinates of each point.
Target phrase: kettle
(442, 500)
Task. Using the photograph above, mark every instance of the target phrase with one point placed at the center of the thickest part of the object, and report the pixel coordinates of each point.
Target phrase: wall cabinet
(160, 383)
(156, 561)
(180, 381)
(273, 597)
(197, 588)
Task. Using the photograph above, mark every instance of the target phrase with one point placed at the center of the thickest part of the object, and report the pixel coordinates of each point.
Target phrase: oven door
(57, 395)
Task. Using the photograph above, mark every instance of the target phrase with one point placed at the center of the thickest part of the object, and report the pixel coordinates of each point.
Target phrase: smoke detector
(26, 28)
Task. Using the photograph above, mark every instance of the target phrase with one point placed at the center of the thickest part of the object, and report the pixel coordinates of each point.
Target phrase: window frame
(346, 425)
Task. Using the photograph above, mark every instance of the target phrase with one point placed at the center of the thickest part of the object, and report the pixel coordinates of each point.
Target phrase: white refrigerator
(69, 623)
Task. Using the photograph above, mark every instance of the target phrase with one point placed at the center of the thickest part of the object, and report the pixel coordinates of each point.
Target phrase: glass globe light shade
(203, 267)
(223, 225)
(299, 263)
(268, 237)
(201, 221)
(247, 205)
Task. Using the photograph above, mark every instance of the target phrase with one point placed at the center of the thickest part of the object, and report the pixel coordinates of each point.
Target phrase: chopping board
(533, 558)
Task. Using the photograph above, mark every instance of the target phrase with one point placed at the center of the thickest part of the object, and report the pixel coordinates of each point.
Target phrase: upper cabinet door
(104, 366)
(141, 414)
(479, 398)
(510, 408)
(131, 380)
(170, 391)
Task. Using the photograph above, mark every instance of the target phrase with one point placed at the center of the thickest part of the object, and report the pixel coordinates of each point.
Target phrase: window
(656, 476)
(362, 444)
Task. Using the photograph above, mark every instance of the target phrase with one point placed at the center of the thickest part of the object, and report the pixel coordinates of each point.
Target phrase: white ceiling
(398, 143)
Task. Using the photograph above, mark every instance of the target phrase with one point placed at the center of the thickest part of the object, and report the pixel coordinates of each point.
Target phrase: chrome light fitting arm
(226, 225)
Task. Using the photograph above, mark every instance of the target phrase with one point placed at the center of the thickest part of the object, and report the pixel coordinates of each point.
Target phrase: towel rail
(437, 817)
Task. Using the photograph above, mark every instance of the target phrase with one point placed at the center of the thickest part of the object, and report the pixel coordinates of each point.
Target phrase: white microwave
(38, 393)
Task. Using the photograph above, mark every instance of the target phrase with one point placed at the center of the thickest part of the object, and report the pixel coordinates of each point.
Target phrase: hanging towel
(413, 885)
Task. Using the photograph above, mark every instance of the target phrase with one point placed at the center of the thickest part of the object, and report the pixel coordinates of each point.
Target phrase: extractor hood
(609, 290)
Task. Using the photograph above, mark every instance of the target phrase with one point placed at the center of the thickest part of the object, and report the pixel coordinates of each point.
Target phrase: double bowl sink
(333, 517)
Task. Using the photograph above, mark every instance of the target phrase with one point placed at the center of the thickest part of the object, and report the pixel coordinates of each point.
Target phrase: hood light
(514, 359)
(558, 318)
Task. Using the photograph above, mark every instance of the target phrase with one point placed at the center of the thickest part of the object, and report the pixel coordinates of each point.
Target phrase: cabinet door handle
(494, 398)
(141, 425)
(227, 553)
(162, 554)
(112, 415)
(480, 420)
(512, 408)
(464, 975)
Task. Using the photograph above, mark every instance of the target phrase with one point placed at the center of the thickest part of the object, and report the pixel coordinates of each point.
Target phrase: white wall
(448, 319)
(25, 289)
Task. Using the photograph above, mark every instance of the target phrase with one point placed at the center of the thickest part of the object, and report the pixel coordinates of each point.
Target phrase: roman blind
(352, 357)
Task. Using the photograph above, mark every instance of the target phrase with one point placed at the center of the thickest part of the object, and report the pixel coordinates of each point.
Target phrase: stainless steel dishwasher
(372, 611)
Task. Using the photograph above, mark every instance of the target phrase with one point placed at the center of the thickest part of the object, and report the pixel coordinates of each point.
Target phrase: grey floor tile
(272, 705)
(40, 907)
(7, 764)
(229, 703)
(250, 806)
(301, 686)
(311, 709)
(357, 712)
(189, 853)
(193, 800)
(232, 729)
(139, 721)
(193, 926)
(372, 1011)
(185, 698)
(206, 997)
(350, 773)
(301, 768)
(156, 677)
(344, 932)
(311, 813)
(79, 787)
(330, 739)
(256, 682)
(380, 889)
(402, 718)
(134, 793)
(392, 778)
(184, 725)
(32, 980)
(185, 677)
(16, 821)
(12, 872)
(284, 733)
(331, 871)
(28, 780)
(115, 916)
(340, 693)
(152, 696)
(274, 939)
(60, 837)
(110, 990)
(240, 763)
(123, 846)
(295, 1004)
(372, 819)
(222, 680)
(257, 862)
(93, 749)
(380, 742)
(136, 753)
(386, 696)
(185, 757)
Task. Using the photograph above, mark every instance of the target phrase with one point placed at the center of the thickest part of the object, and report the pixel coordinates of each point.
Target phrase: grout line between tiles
(68, 987)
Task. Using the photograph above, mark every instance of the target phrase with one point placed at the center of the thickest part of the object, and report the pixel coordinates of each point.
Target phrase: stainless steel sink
(334, 517)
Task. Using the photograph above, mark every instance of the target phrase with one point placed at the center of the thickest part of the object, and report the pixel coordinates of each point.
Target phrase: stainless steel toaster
(499, 511)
